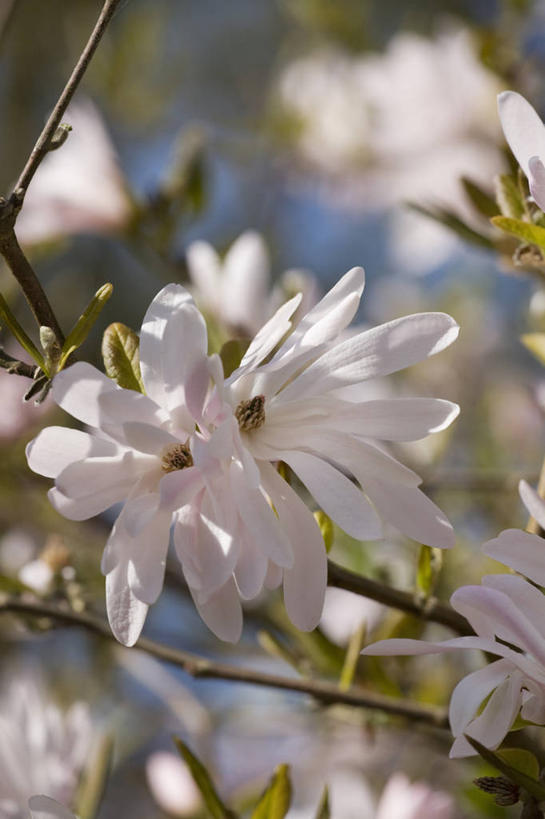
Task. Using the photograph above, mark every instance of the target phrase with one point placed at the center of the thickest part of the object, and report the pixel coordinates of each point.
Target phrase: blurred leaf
(535, 342)
(121, 359)
(204, 783)
(355, 645)
(430, 562)
(523, 230)
(85, 323)
(323, 811)
(481, 200)
(530, 784)
(508, 196)
(521, 760)
(275, 802)
(273, 646)
(455, 224)
(95, 779)
(231, 354)
(326, 528)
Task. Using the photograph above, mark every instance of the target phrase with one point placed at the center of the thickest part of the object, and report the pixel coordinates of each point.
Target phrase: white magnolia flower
(78, 188)
(172, 785)
(43, 807)
(504, 609)
(402, 799)
(525, 135)
(200, 452)
(237, 289)
(42, 749)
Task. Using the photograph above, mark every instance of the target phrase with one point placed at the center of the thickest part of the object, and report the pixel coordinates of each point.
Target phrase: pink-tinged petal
(267, 338)
(495, 611)
(410, 511)
(94, 475)
(90, 505)
(524, 595)
(42, 807)
(492, 725)
(78, 390)
(222, 612)
(178, 488)
(533, 699)
(521, 551)
(533, 502)
(394, 419)
(55, 448)
(196, 388)
(126, 613)
(186, 544)
(405, 648)
(522, 128)
(259, 519)
(139, 511)
(376, 352)
(337, 496)
(146, 438)
(122, 406)
(537, 180)
(305, 583)
(245, 281)
(251, 568)
(273, 577)
(204, 268)
(471, 692)
(147, 558)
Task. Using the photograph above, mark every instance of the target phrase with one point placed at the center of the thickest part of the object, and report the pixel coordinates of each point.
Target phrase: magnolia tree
(227, 446)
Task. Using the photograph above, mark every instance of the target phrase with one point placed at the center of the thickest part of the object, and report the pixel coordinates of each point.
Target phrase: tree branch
(196, 666)
(428, 609)
(13, 365)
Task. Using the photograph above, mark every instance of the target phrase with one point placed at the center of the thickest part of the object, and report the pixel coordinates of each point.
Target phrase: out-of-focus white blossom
(16, 415)
(43, 807)
(525, 134)
(42, 749)
(402, 799)
(78, 188)
(344, 612)
(236, 290)
(172, 785)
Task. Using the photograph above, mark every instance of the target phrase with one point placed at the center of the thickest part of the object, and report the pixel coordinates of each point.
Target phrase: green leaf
(351, 658)
(521, 760)
(95, 779)
(26, 343)
(508, 196)
(535, 342)
(204, 783)
(529, 784)
(231, 354)
(522, 230)
(326, 528)
(430, 561)
(455, 224)
(481, 200)
(275, 801)
(84, 324)
(323, 811)
(120, 354)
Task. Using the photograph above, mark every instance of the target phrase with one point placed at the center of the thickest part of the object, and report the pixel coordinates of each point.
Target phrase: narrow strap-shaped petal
(522, 128)
(204, 268)
(533, 502)
(537, 180)
(78, 390)
(245, 281)
(521, 551)
(126, 613)
(472, 690)
(490, 727)
(222, 612)
(55, 448)
(405, 647)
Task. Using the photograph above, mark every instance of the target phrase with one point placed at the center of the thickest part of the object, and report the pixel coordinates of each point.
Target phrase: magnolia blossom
(78, 188)
(236, 290)
(525, 135)
(42, 750)
(504, 609)
(200, 452)
(43, 807)
(172, 785)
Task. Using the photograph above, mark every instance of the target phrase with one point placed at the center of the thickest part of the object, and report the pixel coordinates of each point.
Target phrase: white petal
(522, 127)
(87, 507)
(405, 647)
(537, 180)
(472, 690)
(95, 475)
(267, 338)
(524, 595)
(42, 807)
(410, 511)
(204, 266)
(178, 488)
(55, 448)
(78, 390)
(337, 496)
(147, 554)
(492, 725)
(377, 352)
(274, 576)
(260, 520)
(533, 502)
(147, 438)
(245, 281)
(394, 419)
(305, 583)
(126, 614)
(521, 551)
(222, 613)
(251, 568)
(121, 406)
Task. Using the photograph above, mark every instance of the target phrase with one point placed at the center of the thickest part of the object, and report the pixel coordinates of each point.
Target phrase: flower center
(176, 456)
(250, 414)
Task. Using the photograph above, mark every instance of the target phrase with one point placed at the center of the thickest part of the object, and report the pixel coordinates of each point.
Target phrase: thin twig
(427, 609)
(16, 367)
(195, 666)
(44, 140)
